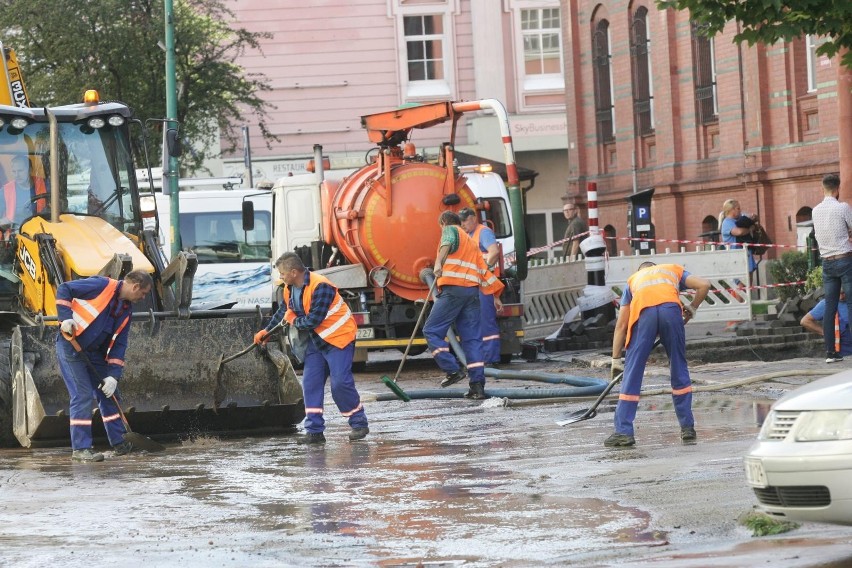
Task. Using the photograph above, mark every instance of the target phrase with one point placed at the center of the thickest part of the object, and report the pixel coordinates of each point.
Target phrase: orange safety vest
(84, 312)
(339, 327)
(466, 268)
(10, 196)
(653, 286)
(475, 237)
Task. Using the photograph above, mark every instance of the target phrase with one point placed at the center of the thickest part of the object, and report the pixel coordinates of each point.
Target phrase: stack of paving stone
(591, 333)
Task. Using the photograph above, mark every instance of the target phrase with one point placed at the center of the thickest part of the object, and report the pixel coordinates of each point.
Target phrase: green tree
(68, 46)
(768, 21)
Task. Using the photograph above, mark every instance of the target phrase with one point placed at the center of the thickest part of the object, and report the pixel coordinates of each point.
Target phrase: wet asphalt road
(437, 483)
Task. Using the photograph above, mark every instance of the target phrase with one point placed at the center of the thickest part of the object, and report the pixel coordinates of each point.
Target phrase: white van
(233, 264)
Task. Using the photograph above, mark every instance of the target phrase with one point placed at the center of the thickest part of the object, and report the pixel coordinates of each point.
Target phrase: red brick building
(654, 103)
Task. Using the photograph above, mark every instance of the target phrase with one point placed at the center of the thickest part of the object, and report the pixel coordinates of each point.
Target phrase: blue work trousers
(336, 364)
(459, 305)
(835, 274)
(665, 320)
(83, 387)
(490, 329)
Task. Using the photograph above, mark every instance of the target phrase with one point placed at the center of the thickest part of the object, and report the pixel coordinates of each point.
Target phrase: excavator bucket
(173, 385)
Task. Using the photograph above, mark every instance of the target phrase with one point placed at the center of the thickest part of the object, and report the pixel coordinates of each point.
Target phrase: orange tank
(396, 228)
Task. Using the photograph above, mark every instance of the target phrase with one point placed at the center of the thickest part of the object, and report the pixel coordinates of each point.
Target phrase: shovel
(581, 415)
(224, 359)
(136, 439)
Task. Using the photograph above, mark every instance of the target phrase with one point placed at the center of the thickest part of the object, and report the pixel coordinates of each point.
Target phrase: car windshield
(94, 171)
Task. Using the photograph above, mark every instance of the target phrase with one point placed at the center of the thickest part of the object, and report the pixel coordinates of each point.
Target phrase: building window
(602, 62)
(704, 63)
(424, 47)
(643, 87)
(542, 49)
(811, 47)
(425, 40)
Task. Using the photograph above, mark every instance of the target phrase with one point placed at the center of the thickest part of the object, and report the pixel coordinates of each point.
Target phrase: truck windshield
(94, 172)
(218, 237)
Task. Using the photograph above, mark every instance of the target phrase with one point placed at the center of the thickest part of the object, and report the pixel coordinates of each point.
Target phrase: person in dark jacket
(95, 314)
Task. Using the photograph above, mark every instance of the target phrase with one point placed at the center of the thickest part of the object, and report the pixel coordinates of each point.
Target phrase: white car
(801, 466)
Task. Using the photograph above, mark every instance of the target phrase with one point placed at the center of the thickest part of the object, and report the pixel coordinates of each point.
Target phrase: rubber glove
(108, 388)
(68, 327)
(261, 337)
(617, 368)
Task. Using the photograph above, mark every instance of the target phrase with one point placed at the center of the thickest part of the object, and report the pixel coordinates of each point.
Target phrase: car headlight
(821, 425)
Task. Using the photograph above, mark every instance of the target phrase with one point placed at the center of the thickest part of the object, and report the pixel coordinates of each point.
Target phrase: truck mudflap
(173, 385)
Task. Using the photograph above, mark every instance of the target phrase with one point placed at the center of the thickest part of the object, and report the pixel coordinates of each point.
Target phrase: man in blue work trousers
(651, 307)
(95, 314)
(314, 307)
(487, 241)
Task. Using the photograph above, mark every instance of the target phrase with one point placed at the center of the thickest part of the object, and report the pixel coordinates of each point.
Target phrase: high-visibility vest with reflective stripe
(84, 312)
(653, 286)
(466, 267)
(339, 327)
(475, 236)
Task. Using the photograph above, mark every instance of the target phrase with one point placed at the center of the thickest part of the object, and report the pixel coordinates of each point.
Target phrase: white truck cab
(233, 263)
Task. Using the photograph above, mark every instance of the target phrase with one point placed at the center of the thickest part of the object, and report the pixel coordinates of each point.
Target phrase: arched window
(643, 87)
(602, 63)
(611, 242)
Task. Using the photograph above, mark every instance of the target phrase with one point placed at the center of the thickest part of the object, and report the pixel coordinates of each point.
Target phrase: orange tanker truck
(378, 227)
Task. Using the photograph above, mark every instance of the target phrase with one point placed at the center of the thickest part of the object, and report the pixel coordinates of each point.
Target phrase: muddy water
(437, 483)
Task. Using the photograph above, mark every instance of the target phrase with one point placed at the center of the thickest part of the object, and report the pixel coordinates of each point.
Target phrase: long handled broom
(137, 440)
(391, 383)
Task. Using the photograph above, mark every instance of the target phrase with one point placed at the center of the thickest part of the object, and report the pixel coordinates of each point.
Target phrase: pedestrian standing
(833, 230)
(95, 314)
(576, 226)
(487, 241)
(651, 307)
(460, 272)
(731, 233)
(315, 308)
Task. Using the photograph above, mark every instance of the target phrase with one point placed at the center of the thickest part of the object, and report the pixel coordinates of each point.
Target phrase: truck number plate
(755, 475)
(365, 333)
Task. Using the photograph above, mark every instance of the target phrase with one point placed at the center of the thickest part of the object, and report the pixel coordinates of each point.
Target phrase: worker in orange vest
(20, 195)
(486, 240)
(461, 273)
(651, 307)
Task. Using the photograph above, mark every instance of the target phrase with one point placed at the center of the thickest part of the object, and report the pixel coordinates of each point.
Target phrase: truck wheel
(505, 358)
(7, 437)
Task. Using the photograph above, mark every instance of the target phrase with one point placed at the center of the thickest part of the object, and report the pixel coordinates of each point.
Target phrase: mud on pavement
(437, 483)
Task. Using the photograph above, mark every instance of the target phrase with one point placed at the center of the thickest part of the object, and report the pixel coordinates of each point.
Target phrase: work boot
(358, 433)
(86, 455)
(476, 391)
(833, 357)
(311, 438)
(688, 435)
(453, 378)
(620, 441)
(122, 449)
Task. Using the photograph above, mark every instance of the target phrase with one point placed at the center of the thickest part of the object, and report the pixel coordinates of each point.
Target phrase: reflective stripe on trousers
(337, 366)
(665, 320)
(459, 305)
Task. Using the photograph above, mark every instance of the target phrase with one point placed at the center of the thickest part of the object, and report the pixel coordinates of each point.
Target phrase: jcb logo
(18, 94)
(28, 262)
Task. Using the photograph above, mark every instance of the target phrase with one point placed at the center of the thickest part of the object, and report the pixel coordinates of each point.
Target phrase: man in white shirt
(833, 230)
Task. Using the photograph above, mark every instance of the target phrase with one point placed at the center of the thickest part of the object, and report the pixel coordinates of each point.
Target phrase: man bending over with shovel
(314, 307)
(650, 306)
(95, 314)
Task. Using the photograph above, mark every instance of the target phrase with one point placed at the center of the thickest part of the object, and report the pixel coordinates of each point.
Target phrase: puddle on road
(469, 486)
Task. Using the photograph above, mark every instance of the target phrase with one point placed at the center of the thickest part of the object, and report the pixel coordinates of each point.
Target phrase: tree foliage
(768, 21)
(68, 46)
